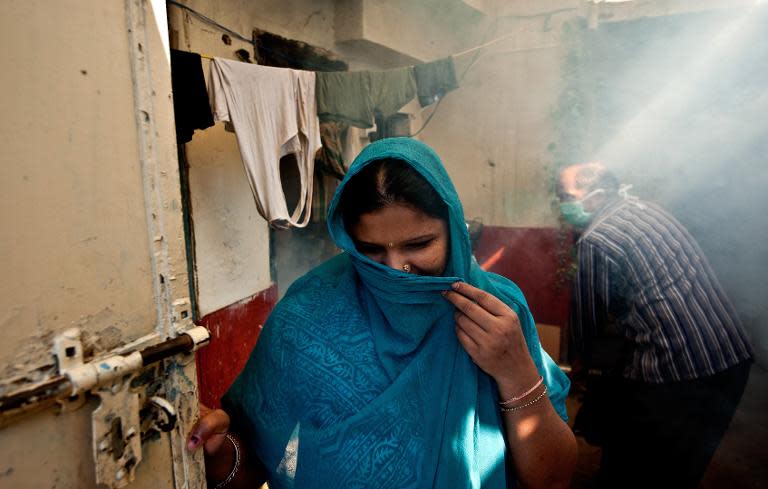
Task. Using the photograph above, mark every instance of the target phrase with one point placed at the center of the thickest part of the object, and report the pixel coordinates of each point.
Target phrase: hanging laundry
(330, 158)
(190, 97)
(435, 79)
(354, 96)
(273, 113)
(353, 143)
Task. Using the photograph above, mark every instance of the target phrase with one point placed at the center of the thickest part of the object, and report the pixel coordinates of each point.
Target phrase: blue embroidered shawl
(358, 380)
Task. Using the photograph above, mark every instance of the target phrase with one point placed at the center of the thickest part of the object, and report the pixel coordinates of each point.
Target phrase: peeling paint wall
(74, 245)
(75, 250)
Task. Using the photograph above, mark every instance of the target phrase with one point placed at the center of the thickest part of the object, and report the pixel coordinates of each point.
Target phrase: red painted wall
(234, 330)
(535, 259)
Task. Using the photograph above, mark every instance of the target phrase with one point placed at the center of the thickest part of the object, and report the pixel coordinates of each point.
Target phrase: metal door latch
(163, 414)
(116, 422)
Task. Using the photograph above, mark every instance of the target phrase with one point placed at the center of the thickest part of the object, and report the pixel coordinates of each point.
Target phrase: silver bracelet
(237, 463)
(529, 403)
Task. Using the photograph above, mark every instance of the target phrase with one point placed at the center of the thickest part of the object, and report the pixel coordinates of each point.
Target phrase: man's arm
(592, 287)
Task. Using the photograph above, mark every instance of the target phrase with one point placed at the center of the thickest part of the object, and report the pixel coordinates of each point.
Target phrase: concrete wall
(416, 31)
(494, 132)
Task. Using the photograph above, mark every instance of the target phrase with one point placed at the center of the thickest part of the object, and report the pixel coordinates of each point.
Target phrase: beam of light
(493, 259)
(641, 131)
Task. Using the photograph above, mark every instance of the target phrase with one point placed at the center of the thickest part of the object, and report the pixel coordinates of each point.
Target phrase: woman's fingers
(489, 331)
(209, 430)
(470, 309)
(474, 330)
(470, 345)
(486, 301)
(471, 336)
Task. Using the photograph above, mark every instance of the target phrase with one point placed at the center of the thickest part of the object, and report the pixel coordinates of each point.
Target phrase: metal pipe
(181, 344)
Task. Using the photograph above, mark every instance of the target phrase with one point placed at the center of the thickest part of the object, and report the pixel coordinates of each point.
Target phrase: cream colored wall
(75, 250)
(310, 21)
(231, 238)
(421, 31)
(494, 131)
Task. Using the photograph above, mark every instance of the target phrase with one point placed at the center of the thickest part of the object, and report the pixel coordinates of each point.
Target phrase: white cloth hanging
(273, 112)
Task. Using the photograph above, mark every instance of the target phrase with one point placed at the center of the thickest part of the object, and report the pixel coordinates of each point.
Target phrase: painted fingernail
(193, 443)
(455, 285)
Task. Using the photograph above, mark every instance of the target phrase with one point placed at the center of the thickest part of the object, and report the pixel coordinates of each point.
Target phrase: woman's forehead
(395, 223)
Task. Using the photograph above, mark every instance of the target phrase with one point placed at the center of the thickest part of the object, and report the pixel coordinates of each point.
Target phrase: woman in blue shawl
(399, 363)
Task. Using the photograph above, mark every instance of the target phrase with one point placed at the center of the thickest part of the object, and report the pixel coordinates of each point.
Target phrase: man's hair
(593, 175)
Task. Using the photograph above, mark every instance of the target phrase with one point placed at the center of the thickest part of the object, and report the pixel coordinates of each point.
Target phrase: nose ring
(407, 268)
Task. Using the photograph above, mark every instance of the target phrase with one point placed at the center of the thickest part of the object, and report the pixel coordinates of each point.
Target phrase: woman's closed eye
(417, 245)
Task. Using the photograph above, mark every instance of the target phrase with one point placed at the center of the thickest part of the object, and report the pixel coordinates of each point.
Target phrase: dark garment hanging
(353, 97)
(329, 159)
(435, 79)
(190, 97)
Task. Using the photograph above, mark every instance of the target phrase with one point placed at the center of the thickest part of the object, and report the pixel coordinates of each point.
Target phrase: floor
(741, 460)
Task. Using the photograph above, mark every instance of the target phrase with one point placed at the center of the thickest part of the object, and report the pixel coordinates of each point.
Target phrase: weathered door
(91, 238)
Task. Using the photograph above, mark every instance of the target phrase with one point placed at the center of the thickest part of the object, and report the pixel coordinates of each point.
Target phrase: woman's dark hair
(385, 182)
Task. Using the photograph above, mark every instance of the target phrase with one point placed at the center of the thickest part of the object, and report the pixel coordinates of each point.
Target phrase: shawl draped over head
(358, 379)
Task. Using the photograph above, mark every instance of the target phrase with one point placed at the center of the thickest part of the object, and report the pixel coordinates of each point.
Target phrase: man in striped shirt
(643, 278)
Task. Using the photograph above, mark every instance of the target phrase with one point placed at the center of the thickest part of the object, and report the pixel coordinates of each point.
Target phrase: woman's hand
(490, 332)
(209, 431)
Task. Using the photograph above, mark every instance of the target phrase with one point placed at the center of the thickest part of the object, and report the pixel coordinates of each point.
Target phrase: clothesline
(468, 51)
(485, 45)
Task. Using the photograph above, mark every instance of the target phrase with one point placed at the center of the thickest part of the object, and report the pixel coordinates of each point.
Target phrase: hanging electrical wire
(211, 21)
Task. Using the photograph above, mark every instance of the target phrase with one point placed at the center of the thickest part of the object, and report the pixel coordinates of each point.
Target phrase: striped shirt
(642, 273)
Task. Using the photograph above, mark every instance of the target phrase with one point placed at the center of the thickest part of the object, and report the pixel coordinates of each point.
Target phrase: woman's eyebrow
(366, 243)
(423, 237)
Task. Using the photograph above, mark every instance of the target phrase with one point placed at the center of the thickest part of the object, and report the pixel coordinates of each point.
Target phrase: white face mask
(597, 191)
